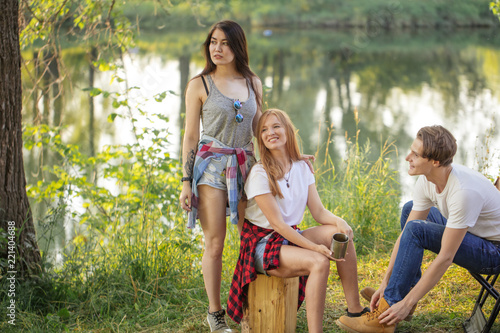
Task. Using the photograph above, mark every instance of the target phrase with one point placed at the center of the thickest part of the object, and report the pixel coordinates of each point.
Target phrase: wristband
(183, 179)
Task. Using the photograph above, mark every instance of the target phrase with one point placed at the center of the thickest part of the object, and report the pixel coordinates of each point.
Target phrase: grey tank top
(217, 117)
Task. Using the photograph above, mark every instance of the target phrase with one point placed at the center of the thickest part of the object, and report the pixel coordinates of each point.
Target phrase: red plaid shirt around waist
(245, 272)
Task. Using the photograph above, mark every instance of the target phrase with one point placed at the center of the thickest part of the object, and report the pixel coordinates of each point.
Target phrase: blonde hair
(273, 169)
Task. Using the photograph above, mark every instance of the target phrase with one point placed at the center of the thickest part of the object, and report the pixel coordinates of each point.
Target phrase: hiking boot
(368, 292)
(216, 320)
(367, 323)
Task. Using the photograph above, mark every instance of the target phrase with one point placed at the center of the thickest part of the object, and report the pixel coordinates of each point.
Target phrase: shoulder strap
(205, 84)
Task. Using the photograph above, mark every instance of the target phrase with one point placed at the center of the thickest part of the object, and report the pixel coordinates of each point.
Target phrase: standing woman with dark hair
(227, 97)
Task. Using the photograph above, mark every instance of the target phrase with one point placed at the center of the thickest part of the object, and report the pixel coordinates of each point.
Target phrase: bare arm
(258, 86)
(322, 215)
(269, 206)
(194, 102)
(452, 238)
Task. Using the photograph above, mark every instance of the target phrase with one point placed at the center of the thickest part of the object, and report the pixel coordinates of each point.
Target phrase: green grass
(162, 305)
(135, 267)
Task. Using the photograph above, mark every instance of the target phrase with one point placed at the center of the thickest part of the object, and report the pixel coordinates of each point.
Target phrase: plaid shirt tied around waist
(236, 173)
(245, 272)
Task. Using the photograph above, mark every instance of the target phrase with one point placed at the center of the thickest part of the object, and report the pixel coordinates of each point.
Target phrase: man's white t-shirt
(294, 201)
(469, 200)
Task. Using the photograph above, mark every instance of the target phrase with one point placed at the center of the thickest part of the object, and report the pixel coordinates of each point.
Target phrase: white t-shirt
(469, 200)
(294, 201)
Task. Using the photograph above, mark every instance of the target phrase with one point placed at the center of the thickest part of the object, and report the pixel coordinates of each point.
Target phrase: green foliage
(374, 14)
(495, 7)
(143, 176)
(132, 247)
(366, 193)
(98, 21)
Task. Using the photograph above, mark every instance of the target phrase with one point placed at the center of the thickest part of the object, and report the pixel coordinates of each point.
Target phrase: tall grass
(364, 190)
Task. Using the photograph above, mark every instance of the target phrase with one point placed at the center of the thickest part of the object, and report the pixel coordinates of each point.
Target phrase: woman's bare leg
(212, 213)
(347, 270)
(241, 212)
(295, 261)
(348, 273)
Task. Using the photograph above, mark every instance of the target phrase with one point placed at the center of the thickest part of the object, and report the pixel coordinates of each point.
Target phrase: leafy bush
(132, 246)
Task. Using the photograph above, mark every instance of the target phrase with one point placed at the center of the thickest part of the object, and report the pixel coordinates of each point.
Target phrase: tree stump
(271, 305)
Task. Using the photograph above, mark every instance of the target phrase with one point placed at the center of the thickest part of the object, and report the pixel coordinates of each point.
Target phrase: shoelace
(373, 315)
(219, 319)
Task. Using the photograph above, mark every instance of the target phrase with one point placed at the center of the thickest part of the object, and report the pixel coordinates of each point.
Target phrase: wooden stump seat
(271, 305)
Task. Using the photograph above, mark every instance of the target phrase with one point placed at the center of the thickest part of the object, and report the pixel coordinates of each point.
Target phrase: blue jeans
(474, 254)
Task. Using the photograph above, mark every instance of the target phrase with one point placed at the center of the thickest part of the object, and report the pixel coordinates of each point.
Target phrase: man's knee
(413, 225)
(416, 230)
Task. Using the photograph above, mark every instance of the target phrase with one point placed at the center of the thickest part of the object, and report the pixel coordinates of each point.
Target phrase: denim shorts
(259, 253)
(215, 173)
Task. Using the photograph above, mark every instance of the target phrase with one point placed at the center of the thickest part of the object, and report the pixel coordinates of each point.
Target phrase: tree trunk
(14, 205)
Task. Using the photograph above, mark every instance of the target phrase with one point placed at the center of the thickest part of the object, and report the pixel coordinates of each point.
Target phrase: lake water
(397, 82)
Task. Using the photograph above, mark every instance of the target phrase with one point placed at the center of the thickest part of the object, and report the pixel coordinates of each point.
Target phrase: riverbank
(355, 14)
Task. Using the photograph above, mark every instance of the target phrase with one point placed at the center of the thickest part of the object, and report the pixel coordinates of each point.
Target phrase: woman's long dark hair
(238, 44)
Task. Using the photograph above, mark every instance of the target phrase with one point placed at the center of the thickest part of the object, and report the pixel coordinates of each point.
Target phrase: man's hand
(377, 295)
(307, 159)
(396, 313)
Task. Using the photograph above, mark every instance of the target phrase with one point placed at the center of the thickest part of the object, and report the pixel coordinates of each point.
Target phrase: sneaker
(368, 292)
(367, 323)
(216, 320)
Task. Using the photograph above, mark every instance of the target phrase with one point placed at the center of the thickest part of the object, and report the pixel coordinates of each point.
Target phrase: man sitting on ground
(455, 213)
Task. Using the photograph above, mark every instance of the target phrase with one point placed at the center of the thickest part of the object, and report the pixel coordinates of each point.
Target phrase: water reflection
(397, 82)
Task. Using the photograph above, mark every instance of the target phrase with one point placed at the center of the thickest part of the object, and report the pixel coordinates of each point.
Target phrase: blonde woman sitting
(278, 189)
